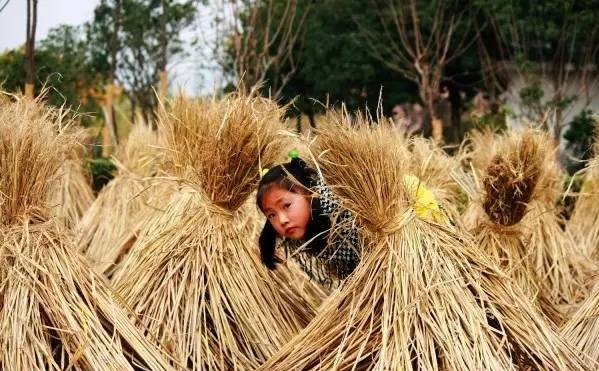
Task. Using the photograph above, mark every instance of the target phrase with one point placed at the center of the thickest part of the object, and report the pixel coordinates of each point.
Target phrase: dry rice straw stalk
(198, 283)
(520, 229)
(582, 329)
(424, 297)
(55, 313)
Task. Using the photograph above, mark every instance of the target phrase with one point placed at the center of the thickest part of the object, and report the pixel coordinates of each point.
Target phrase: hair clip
(264, 171)
(293, 154)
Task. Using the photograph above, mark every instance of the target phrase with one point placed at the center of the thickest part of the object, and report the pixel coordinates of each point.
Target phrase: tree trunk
(163, 58)
(30, 48)
(436, 122)
(114, 46)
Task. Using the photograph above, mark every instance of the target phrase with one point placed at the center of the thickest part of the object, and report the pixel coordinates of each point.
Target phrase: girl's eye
(270, 216)
(286, 206)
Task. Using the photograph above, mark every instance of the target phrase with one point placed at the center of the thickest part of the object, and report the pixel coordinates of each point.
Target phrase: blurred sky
(187, 73)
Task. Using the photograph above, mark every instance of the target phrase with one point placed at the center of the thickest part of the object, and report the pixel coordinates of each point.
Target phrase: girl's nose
(283, 219)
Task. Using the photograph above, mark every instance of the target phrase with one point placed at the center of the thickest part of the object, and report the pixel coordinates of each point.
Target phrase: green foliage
(102, 171)
(579, 137)
(335, 65)
(150, 36)
(62, 67)
(534, 105)
(494, 121)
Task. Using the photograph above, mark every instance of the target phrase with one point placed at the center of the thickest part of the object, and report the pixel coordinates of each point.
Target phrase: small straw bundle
(520, 229)
(476, 154)
(71, 194)
(197, 282)
(583, 222)
(109, 225)
(423, 297)
(437, 170)
(55, 313)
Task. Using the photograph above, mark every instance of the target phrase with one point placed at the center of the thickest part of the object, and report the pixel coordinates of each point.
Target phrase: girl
(303, 218)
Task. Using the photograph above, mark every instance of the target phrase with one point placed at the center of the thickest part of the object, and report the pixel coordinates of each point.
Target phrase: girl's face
(287, 211)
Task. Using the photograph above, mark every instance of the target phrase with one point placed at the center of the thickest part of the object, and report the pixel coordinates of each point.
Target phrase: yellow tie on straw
(425, 205)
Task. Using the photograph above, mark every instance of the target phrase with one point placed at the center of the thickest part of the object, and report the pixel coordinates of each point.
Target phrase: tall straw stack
(520, 229)
(583, 222)
(198, 284)
(55, 313)
(108, 227)
(423, 297)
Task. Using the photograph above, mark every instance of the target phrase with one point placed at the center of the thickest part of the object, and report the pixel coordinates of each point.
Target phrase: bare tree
(420, 50)
(263, 40)
(30, 48)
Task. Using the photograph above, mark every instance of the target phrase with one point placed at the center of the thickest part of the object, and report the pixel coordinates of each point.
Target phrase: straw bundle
(520, 229)
(481, 146)
(71, 194)
(106, 229)
(198, 283)
(423, 297)
(437, 170)
(583, 222)
(141, 153)
(55, 313)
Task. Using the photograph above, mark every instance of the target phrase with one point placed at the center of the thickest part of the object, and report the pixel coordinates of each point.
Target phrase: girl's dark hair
(295, 176)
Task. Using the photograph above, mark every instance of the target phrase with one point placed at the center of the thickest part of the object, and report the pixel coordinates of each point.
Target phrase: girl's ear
(268, 243)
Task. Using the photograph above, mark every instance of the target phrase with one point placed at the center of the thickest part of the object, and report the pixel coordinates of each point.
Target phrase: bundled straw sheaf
(142, 153)
(33, 141)
(55, 313)
(521, 231)
(424, 297)
(583, 221)
(109, 225)
(435, 168)
(210, 144)
(194, 274)
(510, 181)
(70, 194)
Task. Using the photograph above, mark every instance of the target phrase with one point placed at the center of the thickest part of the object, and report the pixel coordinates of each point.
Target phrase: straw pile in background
(583, 223)
(55, 313)
(198, 284)
(519, 227)
(71, 194)
(108, 228)
(437, 170)
(424, 297)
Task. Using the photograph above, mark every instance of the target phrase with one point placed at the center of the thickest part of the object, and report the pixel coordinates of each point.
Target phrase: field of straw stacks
(160, 270)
